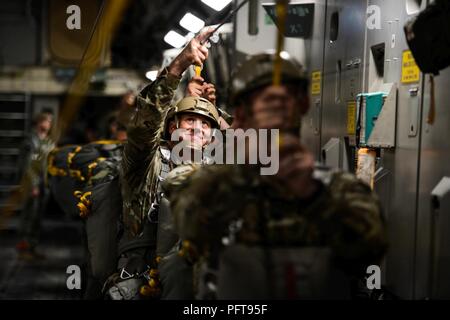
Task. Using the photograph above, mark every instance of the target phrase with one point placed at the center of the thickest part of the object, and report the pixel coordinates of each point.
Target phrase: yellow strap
(54, 170)
(150, 292)
(107, 142)
(198, 70)
(83, 210)
(188, 251)
(281, 9)
(77, 174)
(84, 204)
(153, 283)
(93, 165)
(78, 193)
(84, 198)
(70, 156)
(152, 288)
(109, 18)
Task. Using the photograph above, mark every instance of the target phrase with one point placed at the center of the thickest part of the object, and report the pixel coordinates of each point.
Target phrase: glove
(125, 284)
(125, 290)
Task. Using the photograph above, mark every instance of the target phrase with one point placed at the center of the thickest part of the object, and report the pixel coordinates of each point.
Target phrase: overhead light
(192, 23)
(190, 36)
(285, 55)
(216, 4)
(175, 39)
(151, 75)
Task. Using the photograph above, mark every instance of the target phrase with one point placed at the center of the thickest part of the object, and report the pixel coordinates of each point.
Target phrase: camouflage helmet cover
(257, 71)
(193, 105)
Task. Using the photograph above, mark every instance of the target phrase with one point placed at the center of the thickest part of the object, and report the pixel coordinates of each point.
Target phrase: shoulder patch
(178, 175)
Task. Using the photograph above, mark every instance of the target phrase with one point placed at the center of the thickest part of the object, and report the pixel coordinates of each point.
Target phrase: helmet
(195, 105)
(257, 71)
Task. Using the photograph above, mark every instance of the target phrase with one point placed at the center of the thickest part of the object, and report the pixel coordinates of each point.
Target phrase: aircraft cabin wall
(397, 180)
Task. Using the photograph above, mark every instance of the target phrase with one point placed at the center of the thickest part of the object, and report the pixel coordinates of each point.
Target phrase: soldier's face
(45, 125)
(277, 107)
(196, 129)
(121, 135)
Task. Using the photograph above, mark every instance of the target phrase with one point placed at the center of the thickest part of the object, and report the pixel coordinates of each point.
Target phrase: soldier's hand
(195, 87)
(209, 92)
(273, 109)
(223, 124)
(296, 167)
(124, 289)
(195, 53)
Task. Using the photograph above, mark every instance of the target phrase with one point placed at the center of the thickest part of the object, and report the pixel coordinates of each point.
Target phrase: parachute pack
(71, 167)
(84, 180)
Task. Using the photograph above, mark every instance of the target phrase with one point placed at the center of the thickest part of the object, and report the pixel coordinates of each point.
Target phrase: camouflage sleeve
(361, 238)
(145, 128)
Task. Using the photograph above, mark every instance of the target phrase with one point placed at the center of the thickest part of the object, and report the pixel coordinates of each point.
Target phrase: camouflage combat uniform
(141, 165)
(34, 166)
(229, 210)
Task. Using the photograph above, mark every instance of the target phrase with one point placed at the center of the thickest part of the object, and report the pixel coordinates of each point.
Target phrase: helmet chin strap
(177, 122)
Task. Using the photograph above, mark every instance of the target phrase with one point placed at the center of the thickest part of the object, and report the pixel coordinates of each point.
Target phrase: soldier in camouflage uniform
(302, 233)
(146, 160)
(34, 155)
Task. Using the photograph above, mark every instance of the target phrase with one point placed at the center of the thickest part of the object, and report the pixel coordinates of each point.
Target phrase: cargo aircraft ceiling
(139, 42)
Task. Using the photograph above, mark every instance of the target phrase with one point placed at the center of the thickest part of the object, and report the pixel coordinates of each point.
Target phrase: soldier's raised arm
(146, 126)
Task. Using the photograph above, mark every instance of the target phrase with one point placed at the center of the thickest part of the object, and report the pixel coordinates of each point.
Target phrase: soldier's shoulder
(165, 81)
(212, 185)
(222, 176)
(178, 176)
(349, 182)
(339, 181)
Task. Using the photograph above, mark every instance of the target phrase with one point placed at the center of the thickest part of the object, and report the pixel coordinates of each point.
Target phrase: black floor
(44, 279)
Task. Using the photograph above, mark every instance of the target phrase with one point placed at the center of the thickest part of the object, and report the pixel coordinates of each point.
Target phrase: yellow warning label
(351, 117)
(410, 70)
(316, 77)
(315, 88)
